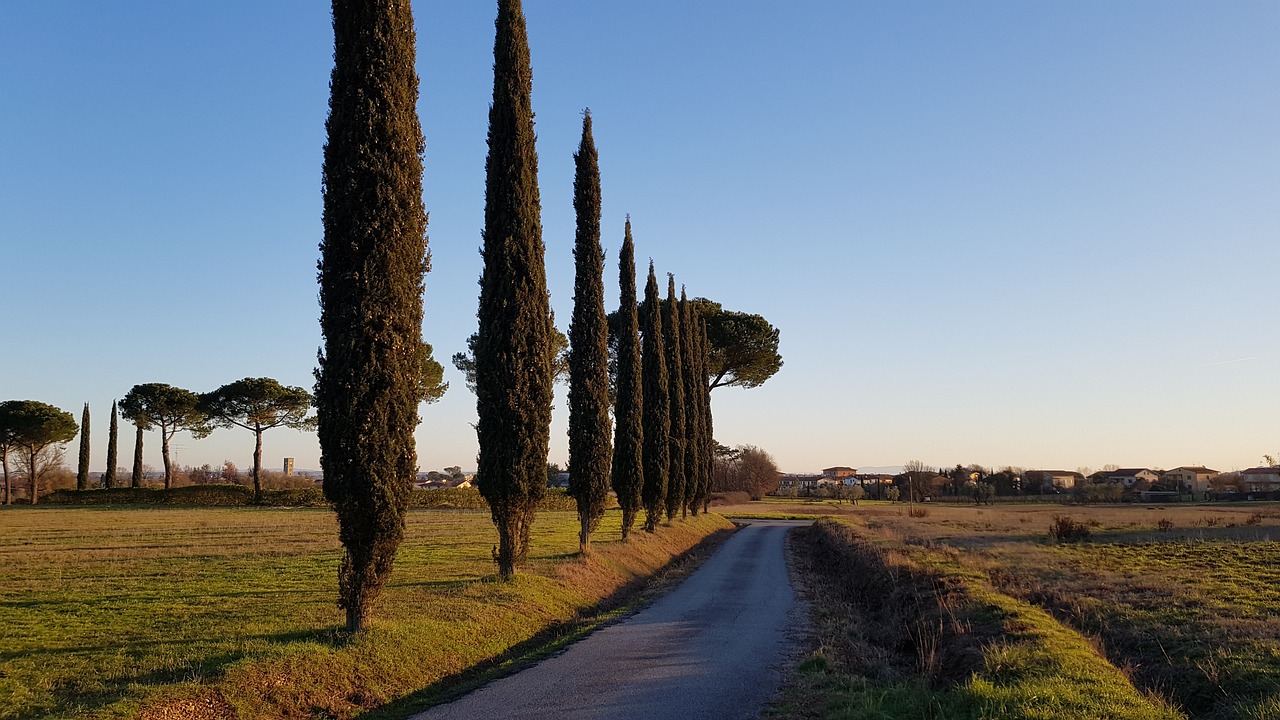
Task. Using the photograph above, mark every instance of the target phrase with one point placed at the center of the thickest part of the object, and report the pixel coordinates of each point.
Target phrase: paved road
(714, 647)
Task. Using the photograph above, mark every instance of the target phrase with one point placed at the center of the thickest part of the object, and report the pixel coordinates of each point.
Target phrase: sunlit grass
(109, 611)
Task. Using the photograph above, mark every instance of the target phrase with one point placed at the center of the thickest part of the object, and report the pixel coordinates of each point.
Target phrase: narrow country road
(714, 647)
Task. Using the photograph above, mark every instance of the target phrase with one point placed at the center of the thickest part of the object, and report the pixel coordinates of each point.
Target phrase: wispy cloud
(1229, 362)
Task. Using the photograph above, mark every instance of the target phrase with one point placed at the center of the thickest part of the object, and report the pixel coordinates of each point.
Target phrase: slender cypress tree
(693, 406)
(113, 440)
(588, 349)
(657, 408)
(82, 473)
(671, 332)
(708, 426)
(136, 479)
(628, 448)
(513, 366)
(372, 261)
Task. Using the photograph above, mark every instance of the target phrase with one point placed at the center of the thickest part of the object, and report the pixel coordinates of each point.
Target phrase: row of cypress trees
(373, 259)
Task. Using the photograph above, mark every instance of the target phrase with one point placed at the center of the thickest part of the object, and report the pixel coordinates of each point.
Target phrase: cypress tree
(675, 393)
(136, 480)
(628, 448)
(708, 426)
(588, 348)
(514, 369)
(693, 406)
(113, 438)
(372, 261)
(657, 408)
(82, 473)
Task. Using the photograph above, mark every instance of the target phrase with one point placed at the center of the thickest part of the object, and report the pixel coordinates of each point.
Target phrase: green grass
(120, 612)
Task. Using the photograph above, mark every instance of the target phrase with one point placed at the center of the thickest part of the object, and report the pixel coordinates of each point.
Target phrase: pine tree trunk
(164, 453)
(257, 468)
(8, 495)
(35, 481)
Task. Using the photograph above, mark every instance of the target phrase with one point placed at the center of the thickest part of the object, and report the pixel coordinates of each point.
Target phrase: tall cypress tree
(675, 393)
(136, 479)
(588, 348)
(113, 439)
(628, 447)
(372, 261)
(693, 406)
(82, 473)
(513, 365)
(708, 426)
(657, 408)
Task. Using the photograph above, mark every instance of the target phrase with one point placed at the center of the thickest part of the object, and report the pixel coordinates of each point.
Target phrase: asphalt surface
(714, 647)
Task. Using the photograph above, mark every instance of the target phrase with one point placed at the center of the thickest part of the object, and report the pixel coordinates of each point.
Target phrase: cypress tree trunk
(513, 359)
(693, 407)
(113, 438)
(671, 332)
(657, 409)
(82, 473)
(588, 349)
(373, 258)
(137, 460)
(628, 448)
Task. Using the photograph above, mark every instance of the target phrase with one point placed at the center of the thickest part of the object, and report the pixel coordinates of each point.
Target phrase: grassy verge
(910, 632)
(229, 612)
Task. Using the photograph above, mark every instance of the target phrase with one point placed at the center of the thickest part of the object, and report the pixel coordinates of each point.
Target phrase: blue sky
(1034, 233)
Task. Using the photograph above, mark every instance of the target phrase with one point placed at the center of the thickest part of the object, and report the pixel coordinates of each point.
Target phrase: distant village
(1181, 484)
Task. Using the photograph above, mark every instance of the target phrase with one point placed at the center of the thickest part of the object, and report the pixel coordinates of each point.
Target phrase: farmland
(213, 612)
(1162, 612)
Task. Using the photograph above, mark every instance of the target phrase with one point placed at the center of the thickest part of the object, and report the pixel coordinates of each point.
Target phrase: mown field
(976, 612)
(230, 612)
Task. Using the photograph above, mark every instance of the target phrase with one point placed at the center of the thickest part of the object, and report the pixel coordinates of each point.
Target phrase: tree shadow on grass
(74, 696)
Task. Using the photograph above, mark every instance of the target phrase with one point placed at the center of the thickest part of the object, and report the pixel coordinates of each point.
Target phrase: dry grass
(1182, 598)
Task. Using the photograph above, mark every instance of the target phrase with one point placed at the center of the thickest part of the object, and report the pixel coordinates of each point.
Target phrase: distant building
(839, 473)
(1261, 479)
(1052, 479)
(1195, 478)
(1129, 476)
(288, 467)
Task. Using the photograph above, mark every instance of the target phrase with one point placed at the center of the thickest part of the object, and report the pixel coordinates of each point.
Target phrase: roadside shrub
(1253, 519)
(1067, 529)
(1164, 524)
(917, 511)
(730, 497)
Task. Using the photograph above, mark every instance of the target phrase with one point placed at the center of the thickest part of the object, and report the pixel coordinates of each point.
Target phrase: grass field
(1164, 611)
(230, 612)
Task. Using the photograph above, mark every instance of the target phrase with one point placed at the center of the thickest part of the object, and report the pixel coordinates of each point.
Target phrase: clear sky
(1036, 233)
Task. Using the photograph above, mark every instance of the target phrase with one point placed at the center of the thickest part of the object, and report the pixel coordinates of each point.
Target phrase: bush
(1066, 529)
(1164, 524)
(916, 511)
